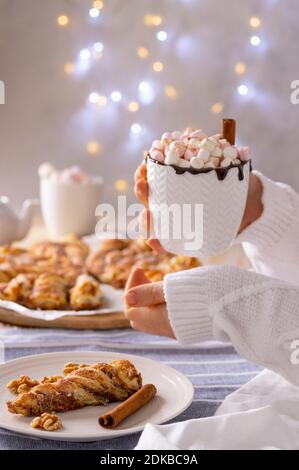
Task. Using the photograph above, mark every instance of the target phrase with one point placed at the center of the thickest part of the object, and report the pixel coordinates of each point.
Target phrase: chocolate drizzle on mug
(220, 172)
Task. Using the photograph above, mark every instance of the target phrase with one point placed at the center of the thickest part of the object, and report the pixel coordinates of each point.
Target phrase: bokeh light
(63, 20)
(240, 68)
(171, 92)
(158, 66)
(217, 108)
(133, 106)
(93, 147)
(121, 185)
(254, 22)
(142, 52)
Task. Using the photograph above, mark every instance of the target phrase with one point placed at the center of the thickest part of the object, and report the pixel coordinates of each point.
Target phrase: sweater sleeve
(272, 242)
(258, 314)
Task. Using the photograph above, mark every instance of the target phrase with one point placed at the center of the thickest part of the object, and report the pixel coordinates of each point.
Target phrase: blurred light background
(93, 82)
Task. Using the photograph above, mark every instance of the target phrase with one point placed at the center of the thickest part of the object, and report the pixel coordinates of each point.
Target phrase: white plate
(175, 393)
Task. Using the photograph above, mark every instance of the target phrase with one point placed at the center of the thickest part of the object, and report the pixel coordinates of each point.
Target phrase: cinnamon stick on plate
(228, 130)
(136, 401)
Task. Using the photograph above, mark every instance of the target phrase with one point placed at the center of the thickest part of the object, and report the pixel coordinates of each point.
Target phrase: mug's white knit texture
(223, 205)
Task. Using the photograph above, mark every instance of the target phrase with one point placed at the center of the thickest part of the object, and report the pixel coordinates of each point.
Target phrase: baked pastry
(114, 261)
(49, 292)
(97, 384)
(86, 293)
(7, 272)
(19, 289)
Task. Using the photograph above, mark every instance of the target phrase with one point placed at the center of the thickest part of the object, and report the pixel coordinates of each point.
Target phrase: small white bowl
(69, 207)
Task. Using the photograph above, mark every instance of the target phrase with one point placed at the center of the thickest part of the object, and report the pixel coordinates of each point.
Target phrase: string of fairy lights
(144, 94)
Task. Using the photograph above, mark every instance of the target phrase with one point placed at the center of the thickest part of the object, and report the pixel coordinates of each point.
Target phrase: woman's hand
(141, 192)
(253, 209)
(145, 305)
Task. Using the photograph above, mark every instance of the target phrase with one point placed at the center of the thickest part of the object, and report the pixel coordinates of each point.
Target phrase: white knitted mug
(196, 214)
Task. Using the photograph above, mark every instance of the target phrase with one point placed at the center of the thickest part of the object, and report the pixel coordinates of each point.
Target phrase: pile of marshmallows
(73, 174)
(194, 149)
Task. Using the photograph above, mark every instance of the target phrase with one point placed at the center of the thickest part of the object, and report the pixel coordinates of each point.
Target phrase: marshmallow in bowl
(194, 143)
(197, 162)
(183, 163)
(207, 144)
(244, 154)
(179, 147)
(230, 152)
(198, 134)
(157, 155)
(158, 144)
(45, 170)
(171, 158)
(176, 135)
(217, 152)
(193, 148)
(226, 162)
(74, 174)
(204, 154)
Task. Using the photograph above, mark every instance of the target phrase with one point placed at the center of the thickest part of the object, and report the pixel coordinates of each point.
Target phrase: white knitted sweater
(258, 313)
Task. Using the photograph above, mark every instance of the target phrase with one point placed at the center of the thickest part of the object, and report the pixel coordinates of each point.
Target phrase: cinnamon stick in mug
(136, 401)
(228, 130)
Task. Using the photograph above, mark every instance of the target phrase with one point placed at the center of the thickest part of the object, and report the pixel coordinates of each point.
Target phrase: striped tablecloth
(214, 369)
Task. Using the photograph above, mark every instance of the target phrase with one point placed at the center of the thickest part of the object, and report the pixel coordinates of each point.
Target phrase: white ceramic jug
(14, 226)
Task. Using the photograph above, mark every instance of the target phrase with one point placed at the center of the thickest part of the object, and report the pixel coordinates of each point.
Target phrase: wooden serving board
(84, 322)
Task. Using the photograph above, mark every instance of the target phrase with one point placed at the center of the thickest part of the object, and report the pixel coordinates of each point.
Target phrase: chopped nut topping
(47, 421)
(22, 384)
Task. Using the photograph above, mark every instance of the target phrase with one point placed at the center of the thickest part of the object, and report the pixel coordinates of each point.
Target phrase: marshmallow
(204, 154)
(166, 135)
(165, 141)
(190, 153)
(183, 163)
(226, 162)
(194, 144)
(214, 140)
(157, 155)
(198, 134)
(197, 162)
(45, 170)
(158, 144)
(211, 164)
(178, 146)
(74, 174)
(217, 152)
(215, 162)
(188, 132)
(171, 158)
(244, 154)
(176, 135)
(207, 144)
(224, 143)
(230, 152)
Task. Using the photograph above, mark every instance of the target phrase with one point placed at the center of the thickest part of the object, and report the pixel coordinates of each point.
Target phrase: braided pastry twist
(97, 384)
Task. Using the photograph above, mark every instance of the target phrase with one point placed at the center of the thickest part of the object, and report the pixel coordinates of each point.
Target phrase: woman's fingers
(141, 191)
(141, 172)
(153, 320)
(155, 245)
(136, 278)
(145, 295)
